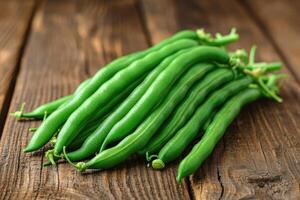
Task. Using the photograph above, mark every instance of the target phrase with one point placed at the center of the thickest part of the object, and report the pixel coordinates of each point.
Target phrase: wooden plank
(69, 41)
(259, 156)
(280, 21)
(14, 21)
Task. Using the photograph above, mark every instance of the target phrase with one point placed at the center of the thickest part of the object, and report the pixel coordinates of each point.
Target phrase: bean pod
(48, 108)
(215, 131)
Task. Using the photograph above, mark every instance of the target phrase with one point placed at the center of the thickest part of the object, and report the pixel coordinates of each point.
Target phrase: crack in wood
(190, 188)
(219, 174)
(221, 184)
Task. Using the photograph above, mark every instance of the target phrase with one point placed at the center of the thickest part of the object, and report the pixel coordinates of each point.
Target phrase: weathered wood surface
(66, 44)
(280, 22)
(69, 40)
(15, 18)
(259, 156)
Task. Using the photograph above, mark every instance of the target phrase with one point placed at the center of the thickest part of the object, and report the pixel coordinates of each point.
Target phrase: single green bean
(187, 108)
(215, 131)
(47, 108)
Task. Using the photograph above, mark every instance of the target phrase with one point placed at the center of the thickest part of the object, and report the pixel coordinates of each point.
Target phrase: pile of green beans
(155, 103)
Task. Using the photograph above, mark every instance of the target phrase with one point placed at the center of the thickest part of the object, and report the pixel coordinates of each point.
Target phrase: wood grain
(279, 20)
(259, 156)
(14, 22)
(69, 41)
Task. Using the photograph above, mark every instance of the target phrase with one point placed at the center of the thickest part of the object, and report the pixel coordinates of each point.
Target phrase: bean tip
(158, 164)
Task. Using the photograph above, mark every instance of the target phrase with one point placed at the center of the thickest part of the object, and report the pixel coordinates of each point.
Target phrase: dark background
(48, 47)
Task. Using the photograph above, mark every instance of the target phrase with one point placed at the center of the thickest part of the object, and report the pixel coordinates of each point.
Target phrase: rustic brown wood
(69, 41)
(259, 156)
(257, 159)
(279, 20)
(14, 22)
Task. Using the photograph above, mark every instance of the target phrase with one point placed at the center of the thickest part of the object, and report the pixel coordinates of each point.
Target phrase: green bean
(195, 74)
(215, 131)
(84, 134)
(160, 86)
(189, 132)
(99, 114)
(47, 108)
(93, 96)
(94, 142)
(117, 100)
(210, 118)
(39, 112)
(152, 123)
(77, 142)
(186, 109)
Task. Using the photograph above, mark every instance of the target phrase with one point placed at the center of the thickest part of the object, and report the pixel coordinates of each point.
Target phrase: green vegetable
(99, 115)
(93, 96)
(47, 108)
(162, 84)
(152, 123)
(113, 87)
(155, 101)
(181, 88)
(85, 132)
(183, 113)
(189, 132)
(215, 131)
(94, 142)
(222, 120)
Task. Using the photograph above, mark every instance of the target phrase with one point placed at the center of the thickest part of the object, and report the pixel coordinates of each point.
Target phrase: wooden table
(48, 47)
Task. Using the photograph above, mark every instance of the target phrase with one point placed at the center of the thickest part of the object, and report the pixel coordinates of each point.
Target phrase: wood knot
(261, 179)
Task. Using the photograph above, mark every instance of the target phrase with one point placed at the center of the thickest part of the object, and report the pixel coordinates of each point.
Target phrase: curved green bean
(48, 108)
(215, 131)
